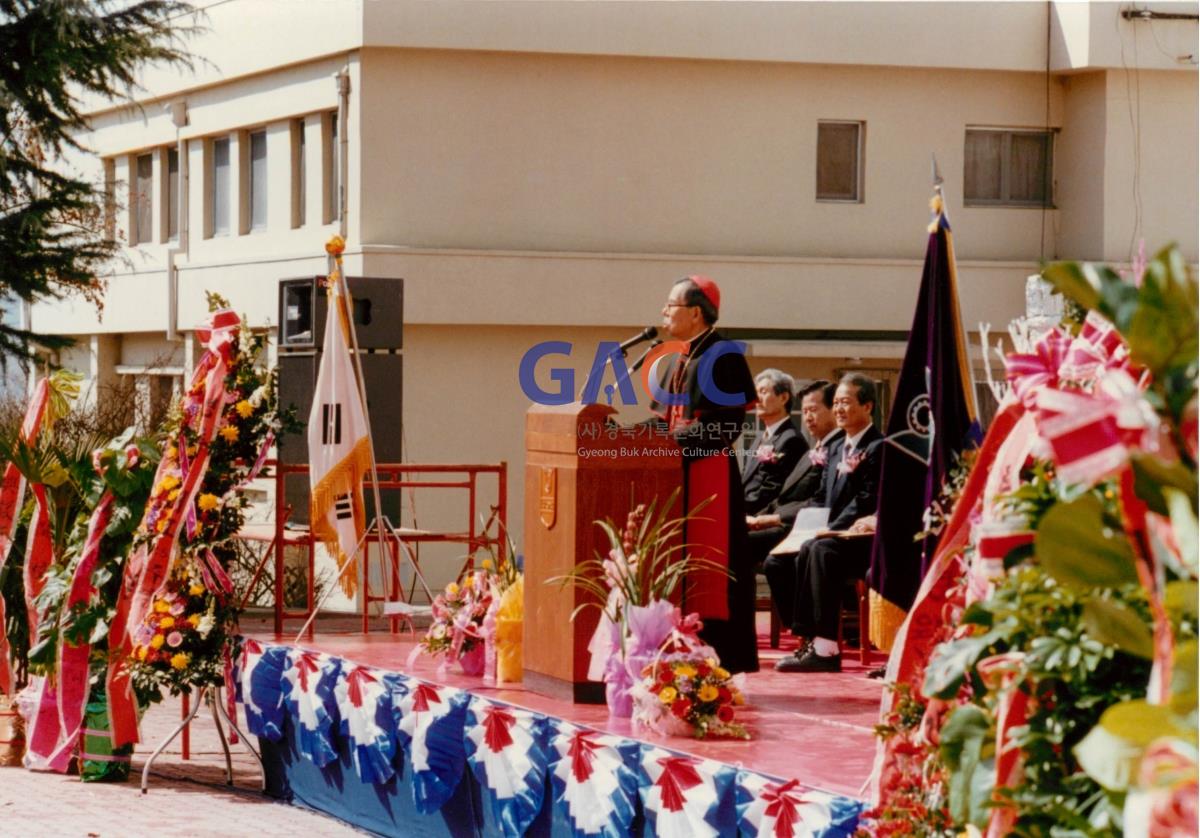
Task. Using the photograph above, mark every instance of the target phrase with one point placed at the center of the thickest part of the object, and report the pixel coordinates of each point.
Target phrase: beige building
(544, 170)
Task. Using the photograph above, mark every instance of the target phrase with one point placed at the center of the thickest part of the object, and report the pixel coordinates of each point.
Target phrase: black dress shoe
(810, 661)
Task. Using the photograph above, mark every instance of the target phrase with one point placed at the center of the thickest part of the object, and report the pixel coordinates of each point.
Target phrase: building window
(299, 174)
(333, 171)
(171, 195)
(1008, 168)
(258, 180)
(110, 198)
(219, 217)
(143, 199)
(839, 161)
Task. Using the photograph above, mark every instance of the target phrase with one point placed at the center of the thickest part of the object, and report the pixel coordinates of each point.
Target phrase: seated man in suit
(777, 447)
(808, 585)
(769, 527)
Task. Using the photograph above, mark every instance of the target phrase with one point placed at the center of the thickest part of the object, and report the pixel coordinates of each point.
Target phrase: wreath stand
(210, 694)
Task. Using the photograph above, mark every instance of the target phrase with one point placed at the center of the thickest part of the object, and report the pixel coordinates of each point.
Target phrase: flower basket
(12, 733)
(471, 661)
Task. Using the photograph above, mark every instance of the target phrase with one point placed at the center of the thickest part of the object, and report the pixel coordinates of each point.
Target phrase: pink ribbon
(73, 670)
(1001, 672)
(12, 493)
(1028, 373)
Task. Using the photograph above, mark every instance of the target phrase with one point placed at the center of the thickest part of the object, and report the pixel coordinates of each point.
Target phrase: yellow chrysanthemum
(161, 525)
(141, 653)
(685, 670)
(667, 695)
(167, 483)
(166, 622)
(708, 693)
(208, 501)
(192, 449)
(194, 620)
(156, 642)
(487, 564)
(172, 495)
(452, 588)
(196, 589)
(244, 409)
(162, 606)
(469, 582)
(180, 661)
(230, 433)
(721, 673)
(738, 698)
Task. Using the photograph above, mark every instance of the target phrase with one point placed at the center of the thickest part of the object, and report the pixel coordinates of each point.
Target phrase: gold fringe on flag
(345, 477)
(886, 620)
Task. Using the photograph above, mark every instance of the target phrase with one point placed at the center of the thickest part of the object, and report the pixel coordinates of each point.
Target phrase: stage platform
(812, 728)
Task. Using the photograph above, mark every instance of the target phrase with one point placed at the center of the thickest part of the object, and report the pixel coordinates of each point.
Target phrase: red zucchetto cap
(708, 288)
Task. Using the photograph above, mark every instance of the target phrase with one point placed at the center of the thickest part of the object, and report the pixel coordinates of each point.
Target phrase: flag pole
(334, 249)
(972, 398)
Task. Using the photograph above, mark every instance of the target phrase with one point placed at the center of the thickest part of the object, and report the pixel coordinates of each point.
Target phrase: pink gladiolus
(132, 455)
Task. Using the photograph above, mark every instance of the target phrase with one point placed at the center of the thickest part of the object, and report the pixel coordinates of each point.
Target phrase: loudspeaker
(378, 312)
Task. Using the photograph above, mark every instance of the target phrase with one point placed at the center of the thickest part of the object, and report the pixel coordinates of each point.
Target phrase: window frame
(1007, 134)
(859, 163)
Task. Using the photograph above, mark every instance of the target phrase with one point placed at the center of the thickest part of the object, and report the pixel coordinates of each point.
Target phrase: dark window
(172, 195)
(1008, 168)
(839, 161)
(143, 198)
(335, 170)
(300, 175)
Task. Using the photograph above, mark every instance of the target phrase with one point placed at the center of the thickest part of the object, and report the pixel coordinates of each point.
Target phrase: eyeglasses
(678, 305)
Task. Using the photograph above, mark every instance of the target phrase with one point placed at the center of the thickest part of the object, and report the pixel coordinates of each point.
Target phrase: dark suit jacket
(763, 481)
(854, 495)
(801, 486)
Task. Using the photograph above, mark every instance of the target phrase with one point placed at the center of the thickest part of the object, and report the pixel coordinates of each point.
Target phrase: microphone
(648, 333)
(637, 365)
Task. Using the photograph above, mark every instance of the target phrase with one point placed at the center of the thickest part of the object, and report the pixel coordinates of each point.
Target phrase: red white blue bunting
(364, 700)
(430, 729)
(506, 749)
(258, 678)
(600, 782)
(685, 797)
(767, 809)
(595, 780)
(308, 683)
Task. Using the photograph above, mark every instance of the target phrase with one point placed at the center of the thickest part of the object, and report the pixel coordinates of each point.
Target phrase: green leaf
(1162, 331)
(952, 661)
(1116, 625)
(1070, 280)
(1140, 722)
(1153, 476)
(961, 745)
(1181, 598)
(1078, 547)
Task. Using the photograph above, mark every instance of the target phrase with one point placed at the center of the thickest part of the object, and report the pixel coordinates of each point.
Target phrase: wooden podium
(579, 469)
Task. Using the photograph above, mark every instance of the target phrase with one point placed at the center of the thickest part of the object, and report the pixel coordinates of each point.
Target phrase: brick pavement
(186, 799)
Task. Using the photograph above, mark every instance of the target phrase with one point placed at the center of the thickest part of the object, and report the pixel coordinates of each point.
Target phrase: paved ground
(185, 799)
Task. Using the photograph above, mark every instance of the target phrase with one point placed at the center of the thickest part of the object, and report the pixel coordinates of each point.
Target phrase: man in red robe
(703, 398)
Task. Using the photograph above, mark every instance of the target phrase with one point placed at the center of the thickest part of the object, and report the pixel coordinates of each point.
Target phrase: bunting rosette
(506, 749)
(685, 797)
(309, 681)
(595, 780)
(430, 729)
(767, 809)
(364, 699)
(258, 680)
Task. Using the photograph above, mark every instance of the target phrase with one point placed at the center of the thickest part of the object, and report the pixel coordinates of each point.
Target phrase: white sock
(825, 648)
